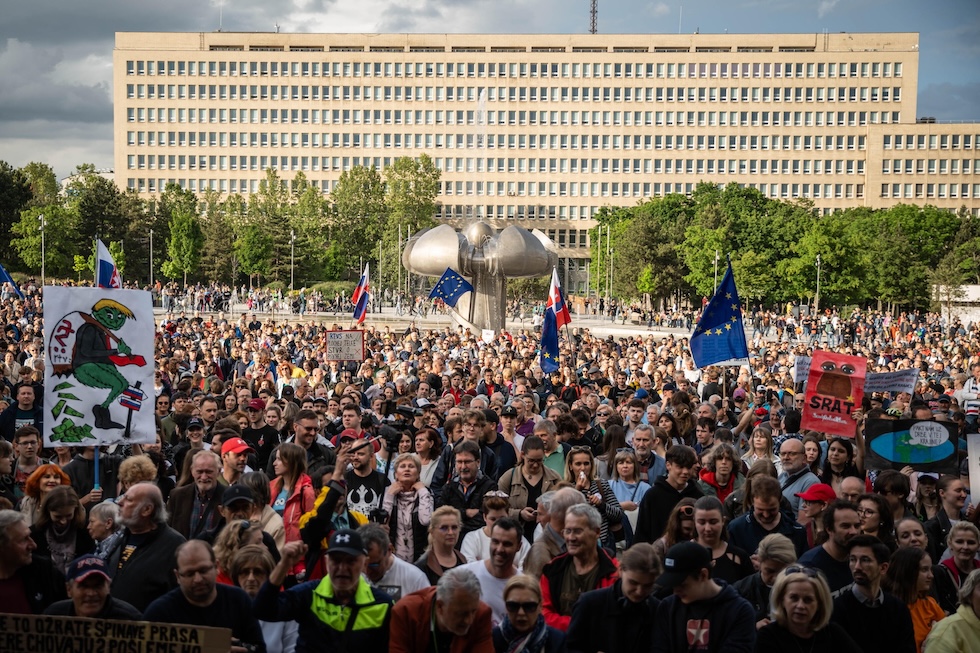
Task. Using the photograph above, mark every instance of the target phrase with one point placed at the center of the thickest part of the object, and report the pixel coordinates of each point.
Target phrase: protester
(28, 583)
(291, 492)
(721, 619)
(527, 481)
(496, 569)
(441, 554)
(667, 491)
(339, 612)
(841, 523)
(390, 574)
(199, 600)
(42, 480)
(728, 562)
(59, 532)
(448, 617)
(408, 503)
(964, 543)
(523, 628)
(193, 508)
(775, 553)
(960, 632)
(801, 609)
(909, 577)
(88, 593)
(250, 568)
(620, 617)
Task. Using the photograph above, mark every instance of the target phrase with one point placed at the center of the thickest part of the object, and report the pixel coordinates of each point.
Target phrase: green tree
(183, 246)
(58, 246)
(98, 206)
(15, 193)
(43, 183)
(947, 283)
(253, 248)
(218, 238)
(411, 186)
(271, 209)
(359, 214)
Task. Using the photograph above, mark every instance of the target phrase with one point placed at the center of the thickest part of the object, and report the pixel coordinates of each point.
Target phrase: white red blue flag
(361, 296)
(556, 302)
(106, 273)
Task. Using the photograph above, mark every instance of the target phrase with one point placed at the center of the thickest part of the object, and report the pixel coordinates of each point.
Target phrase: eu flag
(549, 342)
(6, 278)
(450, 287)
(719, 335)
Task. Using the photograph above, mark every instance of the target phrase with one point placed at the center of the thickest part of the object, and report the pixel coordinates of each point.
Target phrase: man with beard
(199, 600)
(494, 572)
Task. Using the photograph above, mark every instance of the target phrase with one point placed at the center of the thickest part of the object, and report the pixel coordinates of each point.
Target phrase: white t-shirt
(402, 579)
(476, 546)
(491, 590)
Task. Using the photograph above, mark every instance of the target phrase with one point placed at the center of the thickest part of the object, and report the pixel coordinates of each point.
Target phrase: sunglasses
(799, 569)
(686, 511)
(582, 448)
(516, 606)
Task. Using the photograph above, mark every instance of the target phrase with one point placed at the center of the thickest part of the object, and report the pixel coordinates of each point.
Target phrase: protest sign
(834, 390)
(487, 336)
(897, 381)
(45, 633)
(345, 345)
(924, 445)
(99, 345)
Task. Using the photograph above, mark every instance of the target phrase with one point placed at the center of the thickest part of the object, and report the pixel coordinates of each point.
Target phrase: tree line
(287, 226)
(665, 247)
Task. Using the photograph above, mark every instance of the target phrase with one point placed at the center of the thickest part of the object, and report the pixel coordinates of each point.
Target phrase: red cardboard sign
(834, 390)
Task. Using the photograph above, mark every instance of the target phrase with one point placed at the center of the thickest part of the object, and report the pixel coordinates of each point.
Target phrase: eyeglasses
(625, 450)
(516, 606)
(533, 461)
(799, 569)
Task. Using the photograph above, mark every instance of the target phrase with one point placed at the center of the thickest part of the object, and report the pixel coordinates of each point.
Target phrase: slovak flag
(361, 296)
(106, 273)
(556, 302)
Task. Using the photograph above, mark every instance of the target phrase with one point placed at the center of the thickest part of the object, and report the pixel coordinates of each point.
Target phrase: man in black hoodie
(702, 615)
(667, 491)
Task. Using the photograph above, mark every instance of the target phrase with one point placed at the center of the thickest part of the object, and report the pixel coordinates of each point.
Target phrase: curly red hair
(32, 487)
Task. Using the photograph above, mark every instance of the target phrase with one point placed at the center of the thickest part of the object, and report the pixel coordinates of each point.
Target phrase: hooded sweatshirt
(656, 506)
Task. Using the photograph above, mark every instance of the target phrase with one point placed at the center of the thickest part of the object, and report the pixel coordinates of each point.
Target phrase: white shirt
(476, 546)
(491, 590)
(402, 579)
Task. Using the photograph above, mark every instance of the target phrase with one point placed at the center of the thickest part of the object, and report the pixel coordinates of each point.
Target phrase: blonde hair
(795, 575)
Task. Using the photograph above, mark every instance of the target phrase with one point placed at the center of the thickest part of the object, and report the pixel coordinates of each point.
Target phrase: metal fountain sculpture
(487, 259)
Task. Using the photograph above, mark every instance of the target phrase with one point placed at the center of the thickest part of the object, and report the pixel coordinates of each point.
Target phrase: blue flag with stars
(549, 342)
(719, 335)
(450, 287)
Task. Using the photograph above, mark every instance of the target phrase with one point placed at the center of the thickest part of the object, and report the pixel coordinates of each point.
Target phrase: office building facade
(542, 130)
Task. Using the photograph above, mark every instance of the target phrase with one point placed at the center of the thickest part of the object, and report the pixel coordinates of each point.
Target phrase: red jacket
(551, 581)
(411, 626)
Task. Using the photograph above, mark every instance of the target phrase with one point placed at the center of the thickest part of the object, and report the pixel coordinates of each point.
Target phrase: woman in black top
(801, 608)
(729, 563)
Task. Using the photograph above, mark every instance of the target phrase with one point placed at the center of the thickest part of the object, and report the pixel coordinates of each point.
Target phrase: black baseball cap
(235, 493)
(683, 560)
(346, 541)
(508, 411)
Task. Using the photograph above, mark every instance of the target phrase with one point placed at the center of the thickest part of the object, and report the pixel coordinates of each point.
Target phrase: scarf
(533, 642)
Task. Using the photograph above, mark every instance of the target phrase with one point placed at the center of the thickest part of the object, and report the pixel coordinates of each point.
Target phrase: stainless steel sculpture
(487, 259)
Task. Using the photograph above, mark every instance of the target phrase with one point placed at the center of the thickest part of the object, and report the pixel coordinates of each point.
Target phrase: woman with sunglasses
(441, 555)
(523, 629)
(580, 469)
(801, 607)
(680, 527)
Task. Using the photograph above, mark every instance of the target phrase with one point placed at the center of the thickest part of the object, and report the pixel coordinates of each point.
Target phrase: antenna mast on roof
(595, 12)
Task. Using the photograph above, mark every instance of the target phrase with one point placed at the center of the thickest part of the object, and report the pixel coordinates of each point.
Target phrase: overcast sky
(56, 56)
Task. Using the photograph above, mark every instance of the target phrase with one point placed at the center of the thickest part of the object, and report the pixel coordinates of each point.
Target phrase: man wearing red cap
(234, 459)
(88, 593)
(259, 434)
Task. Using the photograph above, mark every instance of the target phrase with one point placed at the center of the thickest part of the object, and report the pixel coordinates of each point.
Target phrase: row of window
(930, 166)
(931, 141)
(499, 142)
(539, 70)
(520, 188)
(520, 93)
(506, 118)
(931, 191)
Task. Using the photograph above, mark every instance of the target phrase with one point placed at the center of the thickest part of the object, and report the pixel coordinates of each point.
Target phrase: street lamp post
(816, 299)
(151, 257)
(41, 228)
(716, 269)
(292, 257)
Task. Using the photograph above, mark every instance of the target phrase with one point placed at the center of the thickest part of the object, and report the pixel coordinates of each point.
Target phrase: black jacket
(656, 506)
(605, 620)
(81, 471)
(452, 495)
(729, 617)
(113, 609)
(43, 584)
(8, 419)
(752, 589)
(149, 572)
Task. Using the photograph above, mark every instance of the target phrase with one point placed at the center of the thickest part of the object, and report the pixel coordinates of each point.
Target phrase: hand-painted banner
(924, 445)
(834, 390)
(897, 381)
(99, 345)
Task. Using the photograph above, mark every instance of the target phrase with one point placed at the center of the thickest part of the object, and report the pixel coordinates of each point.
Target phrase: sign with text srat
(834, 390)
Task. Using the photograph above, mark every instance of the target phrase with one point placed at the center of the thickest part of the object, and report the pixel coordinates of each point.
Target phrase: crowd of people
(444, 494)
